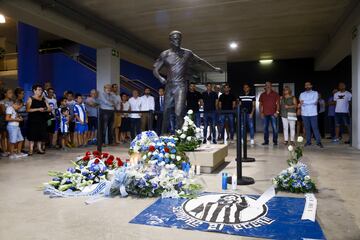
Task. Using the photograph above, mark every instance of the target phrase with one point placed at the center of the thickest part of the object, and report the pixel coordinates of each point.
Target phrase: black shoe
(320, 145)
(265, 144)
(204, 141)
(275, 143)
(347, 142)
(214, 141)
(307, 144)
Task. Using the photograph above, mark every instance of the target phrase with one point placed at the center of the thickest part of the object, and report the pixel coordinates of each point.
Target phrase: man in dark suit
(159, 107)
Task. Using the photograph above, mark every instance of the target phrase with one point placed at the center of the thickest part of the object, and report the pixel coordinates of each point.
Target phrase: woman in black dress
(38, 110)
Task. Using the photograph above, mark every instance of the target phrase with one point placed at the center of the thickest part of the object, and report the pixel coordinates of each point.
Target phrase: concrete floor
(25, 213)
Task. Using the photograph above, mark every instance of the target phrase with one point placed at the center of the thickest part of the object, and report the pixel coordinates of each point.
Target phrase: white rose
(161, 164)
(300, 139)
(275, 182)
(185, 129)
(307, 178)
(172, 156)
(178, 131)
(191, 122)
(183, 136)
(290, 148)
(144, 157)
(188, 138)
(190, 112)
(178, 158)
(291, 169)
(198, 130)
(167, 155)
(186, 118)
(149, 154)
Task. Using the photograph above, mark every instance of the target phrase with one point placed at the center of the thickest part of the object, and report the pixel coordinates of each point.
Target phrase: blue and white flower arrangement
(296, 177)
(189, 136)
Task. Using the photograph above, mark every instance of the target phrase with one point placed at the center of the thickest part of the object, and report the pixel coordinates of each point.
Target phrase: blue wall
(28, 57)
(66, 74)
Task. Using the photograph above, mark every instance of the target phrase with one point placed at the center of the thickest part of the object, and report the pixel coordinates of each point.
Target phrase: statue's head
(175, 38)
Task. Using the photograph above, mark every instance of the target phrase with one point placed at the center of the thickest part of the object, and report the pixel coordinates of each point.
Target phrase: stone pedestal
(209, 157)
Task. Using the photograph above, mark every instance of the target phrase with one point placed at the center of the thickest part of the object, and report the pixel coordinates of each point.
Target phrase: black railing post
(244, 123)
(241, 180)
(151, 120)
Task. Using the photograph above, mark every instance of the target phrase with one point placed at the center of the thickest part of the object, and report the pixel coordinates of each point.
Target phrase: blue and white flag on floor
(231, 213)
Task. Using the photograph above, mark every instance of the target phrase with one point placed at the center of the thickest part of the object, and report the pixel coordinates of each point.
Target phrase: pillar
(355, 59)
(107, 67)
(28, 57)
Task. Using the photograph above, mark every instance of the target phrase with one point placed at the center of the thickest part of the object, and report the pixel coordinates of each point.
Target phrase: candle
(233, 182)
(198, 168)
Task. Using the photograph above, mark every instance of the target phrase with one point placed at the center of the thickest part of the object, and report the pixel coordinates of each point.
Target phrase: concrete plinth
(209, 157)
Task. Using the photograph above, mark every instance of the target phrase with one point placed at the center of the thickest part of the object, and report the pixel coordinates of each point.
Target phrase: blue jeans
(230, 118)
(210, 119)
(197, 119)
(267, 120)
(250, 125)
(311, 123)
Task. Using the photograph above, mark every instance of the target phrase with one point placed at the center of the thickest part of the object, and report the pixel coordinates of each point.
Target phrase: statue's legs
(175, 98)
(180, 104)
(168, 107)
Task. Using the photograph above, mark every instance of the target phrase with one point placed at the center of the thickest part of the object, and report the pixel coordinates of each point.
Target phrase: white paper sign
(264, 198)
(310, 207)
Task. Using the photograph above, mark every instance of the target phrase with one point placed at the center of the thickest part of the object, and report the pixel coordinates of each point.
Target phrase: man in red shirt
(269, 110)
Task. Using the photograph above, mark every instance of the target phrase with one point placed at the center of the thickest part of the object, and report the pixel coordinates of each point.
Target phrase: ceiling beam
(339, 45)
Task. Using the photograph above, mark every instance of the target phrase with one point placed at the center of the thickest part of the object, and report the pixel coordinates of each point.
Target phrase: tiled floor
(25, 213)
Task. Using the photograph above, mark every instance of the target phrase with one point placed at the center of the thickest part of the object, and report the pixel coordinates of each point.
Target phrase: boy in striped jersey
(80, 118)
(64, 118)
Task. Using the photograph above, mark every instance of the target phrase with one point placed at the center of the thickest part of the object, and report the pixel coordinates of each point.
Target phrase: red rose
(109, 162)
(119, 162)
(105, 155)
(96, 161)
(96, 153)
(151, 148)
(111, 157)
(166, 150)
(87, 153)
(86, 158)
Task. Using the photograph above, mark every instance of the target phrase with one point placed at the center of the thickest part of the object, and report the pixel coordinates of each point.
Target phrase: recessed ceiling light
(2, 19)
(265, 61)
(233, 45)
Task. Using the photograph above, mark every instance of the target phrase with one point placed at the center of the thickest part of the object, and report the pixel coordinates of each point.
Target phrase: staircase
(126, 85)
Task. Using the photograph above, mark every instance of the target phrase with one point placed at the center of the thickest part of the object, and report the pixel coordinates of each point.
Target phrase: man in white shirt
(308, 101)
(135, 105)
(342, 113)
(147, 104)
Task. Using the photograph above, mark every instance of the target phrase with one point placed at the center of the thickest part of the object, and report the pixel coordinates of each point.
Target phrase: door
(259, 88)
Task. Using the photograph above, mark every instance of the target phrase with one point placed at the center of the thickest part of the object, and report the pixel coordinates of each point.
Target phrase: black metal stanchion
(241, 180)
(99, 131)
(244, 131)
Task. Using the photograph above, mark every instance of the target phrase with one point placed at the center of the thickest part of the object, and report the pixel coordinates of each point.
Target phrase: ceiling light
(265, 61)
(233, 45)
(2, 19)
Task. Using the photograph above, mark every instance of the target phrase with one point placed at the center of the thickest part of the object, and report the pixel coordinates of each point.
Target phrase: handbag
(291, 116)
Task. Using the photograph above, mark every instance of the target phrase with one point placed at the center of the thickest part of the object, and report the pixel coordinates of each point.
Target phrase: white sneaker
(252, 142)
(20, 155)
(5, 154)
(13, 156)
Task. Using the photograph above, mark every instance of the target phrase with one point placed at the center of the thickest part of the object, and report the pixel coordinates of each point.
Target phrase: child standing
(64, 119)
(81, 120)
(15, 136)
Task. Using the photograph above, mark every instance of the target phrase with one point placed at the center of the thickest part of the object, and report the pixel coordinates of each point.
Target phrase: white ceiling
(263, 28)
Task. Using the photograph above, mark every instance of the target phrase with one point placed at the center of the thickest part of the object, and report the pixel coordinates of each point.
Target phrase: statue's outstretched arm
(209, 65)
